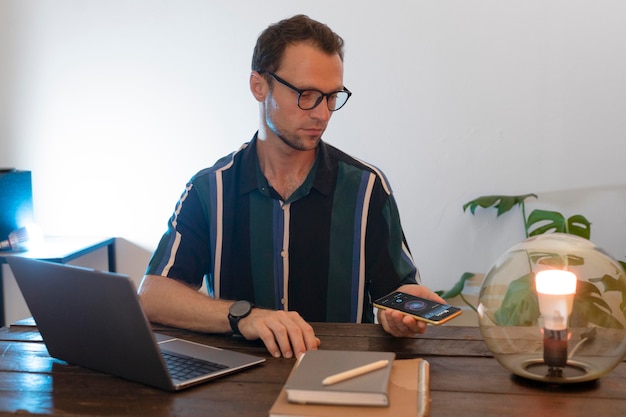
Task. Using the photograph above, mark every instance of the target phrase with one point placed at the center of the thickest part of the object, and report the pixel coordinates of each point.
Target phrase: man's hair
(272, 42)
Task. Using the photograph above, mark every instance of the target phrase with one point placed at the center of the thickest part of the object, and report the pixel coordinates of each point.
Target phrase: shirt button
(283, 253)
(282, 301)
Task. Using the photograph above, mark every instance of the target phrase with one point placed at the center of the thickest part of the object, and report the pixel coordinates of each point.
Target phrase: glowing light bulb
(555, 291)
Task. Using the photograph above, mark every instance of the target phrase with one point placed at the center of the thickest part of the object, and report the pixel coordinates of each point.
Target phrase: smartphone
(422, 309)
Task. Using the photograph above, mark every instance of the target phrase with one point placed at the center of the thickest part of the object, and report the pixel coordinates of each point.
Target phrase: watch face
(240, 308)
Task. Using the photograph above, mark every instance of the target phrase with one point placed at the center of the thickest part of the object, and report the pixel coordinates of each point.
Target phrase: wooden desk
(465, 380)
(61, 250)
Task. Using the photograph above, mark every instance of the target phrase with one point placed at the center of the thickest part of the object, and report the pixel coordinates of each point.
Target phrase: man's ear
(258, 86)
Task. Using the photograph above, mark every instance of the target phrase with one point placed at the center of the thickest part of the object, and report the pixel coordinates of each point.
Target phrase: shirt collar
(251, 177)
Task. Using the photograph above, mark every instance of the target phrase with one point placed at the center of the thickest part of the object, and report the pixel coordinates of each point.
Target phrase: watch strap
(234, 320)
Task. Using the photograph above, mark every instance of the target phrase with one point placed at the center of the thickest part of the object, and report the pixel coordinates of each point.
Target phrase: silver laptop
(94, 319)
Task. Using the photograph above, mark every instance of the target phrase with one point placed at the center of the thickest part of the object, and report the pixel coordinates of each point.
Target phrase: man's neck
(284, 168)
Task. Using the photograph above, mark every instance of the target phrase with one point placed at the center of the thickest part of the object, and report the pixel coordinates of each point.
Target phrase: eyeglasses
(310, 99)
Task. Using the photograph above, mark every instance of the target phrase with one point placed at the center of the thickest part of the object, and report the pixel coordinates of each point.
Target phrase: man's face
(304, 67)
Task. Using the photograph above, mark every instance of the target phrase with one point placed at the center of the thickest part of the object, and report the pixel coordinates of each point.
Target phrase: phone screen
(420, 308)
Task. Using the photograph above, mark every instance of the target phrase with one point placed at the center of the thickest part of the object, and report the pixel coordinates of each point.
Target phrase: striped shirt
(327, 252)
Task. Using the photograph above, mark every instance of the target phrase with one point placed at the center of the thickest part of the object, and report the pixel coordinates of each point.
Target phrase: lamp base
(538, 370)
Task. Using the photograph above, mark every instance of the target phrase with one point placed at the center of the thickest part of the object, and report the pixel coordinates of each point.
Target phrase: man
(288, 229)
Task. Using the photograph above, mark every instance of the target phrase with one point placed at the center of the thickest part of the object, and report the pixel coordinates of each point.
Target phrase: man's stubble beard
(293, 141)
(297, 142)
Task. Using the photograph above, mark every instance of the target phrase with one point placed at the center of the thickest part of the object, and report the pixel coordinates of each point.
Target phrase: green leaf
(544, 221)
(520, 306)
(610, 283)
(458, 287)
(578, 225)
(555, 260)
(589, 306)
(503, 203)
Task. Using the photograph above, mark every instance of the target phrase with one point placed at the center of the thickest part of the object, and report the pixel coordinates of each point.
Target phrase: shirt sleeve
(389, 260)
(183, 252)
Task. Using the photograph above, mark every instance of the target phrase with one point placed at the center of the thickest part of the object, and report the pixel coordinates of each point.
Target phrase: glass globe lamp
(553, 309)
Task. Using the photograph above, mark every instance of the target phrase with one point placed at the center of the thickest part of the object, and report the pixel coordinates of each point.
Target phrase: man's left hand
(400, 325)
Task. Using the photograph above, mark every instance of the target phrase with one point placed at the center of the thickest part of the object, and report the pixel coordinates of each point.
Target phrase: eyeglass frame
(300, 91)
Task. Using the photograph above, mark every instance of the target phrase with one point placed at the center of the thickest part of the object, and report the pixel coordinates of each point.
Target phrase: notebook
(94, 319)
(409, 396)
(306, 384)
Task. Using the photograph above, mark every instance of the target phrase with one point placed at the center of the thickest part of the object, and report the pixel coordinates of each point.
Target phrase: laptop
(94, 319)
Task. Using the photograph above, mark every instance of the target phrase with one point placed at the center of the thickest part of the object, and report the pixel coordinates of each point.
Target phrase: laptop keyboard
(184, 367)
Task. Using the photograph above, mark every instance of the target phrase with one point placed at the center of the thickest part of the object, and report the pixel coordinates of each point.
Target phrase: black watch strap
(237, 311)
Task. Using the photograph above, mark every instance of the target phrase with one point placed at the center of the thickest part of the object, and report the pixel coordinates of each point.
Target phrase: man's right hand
(284, 333)
(172, 303)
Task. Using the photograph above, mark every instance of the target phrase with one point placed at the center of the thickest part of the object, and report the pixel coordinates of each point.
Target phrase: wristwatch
(237, 311)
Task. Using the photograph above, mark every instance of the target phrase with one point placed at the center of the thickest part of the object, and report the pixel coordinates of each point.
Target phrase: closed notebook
(409, 396)
(304, 384)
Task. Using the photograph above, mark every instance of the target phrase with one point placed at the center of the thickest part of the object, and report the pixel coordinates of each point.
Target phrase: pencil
(351, 373)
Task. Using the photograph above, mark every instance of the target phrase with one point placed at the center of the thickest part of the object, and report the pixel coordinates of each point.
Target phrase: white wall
(114, 104)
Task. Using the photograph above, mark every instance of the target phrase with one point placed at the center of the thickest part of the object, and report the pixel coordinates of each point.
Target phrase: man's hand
(401, 325)
(283, 332)
(175, 304)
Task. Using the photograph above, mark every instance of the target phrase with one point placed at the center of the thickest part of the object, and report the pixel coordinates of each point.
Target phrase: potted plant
(520, 306)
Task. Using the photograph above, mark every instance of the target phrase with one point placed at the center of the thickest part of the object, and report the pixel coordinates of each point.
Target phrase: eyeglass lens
(310, 99)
